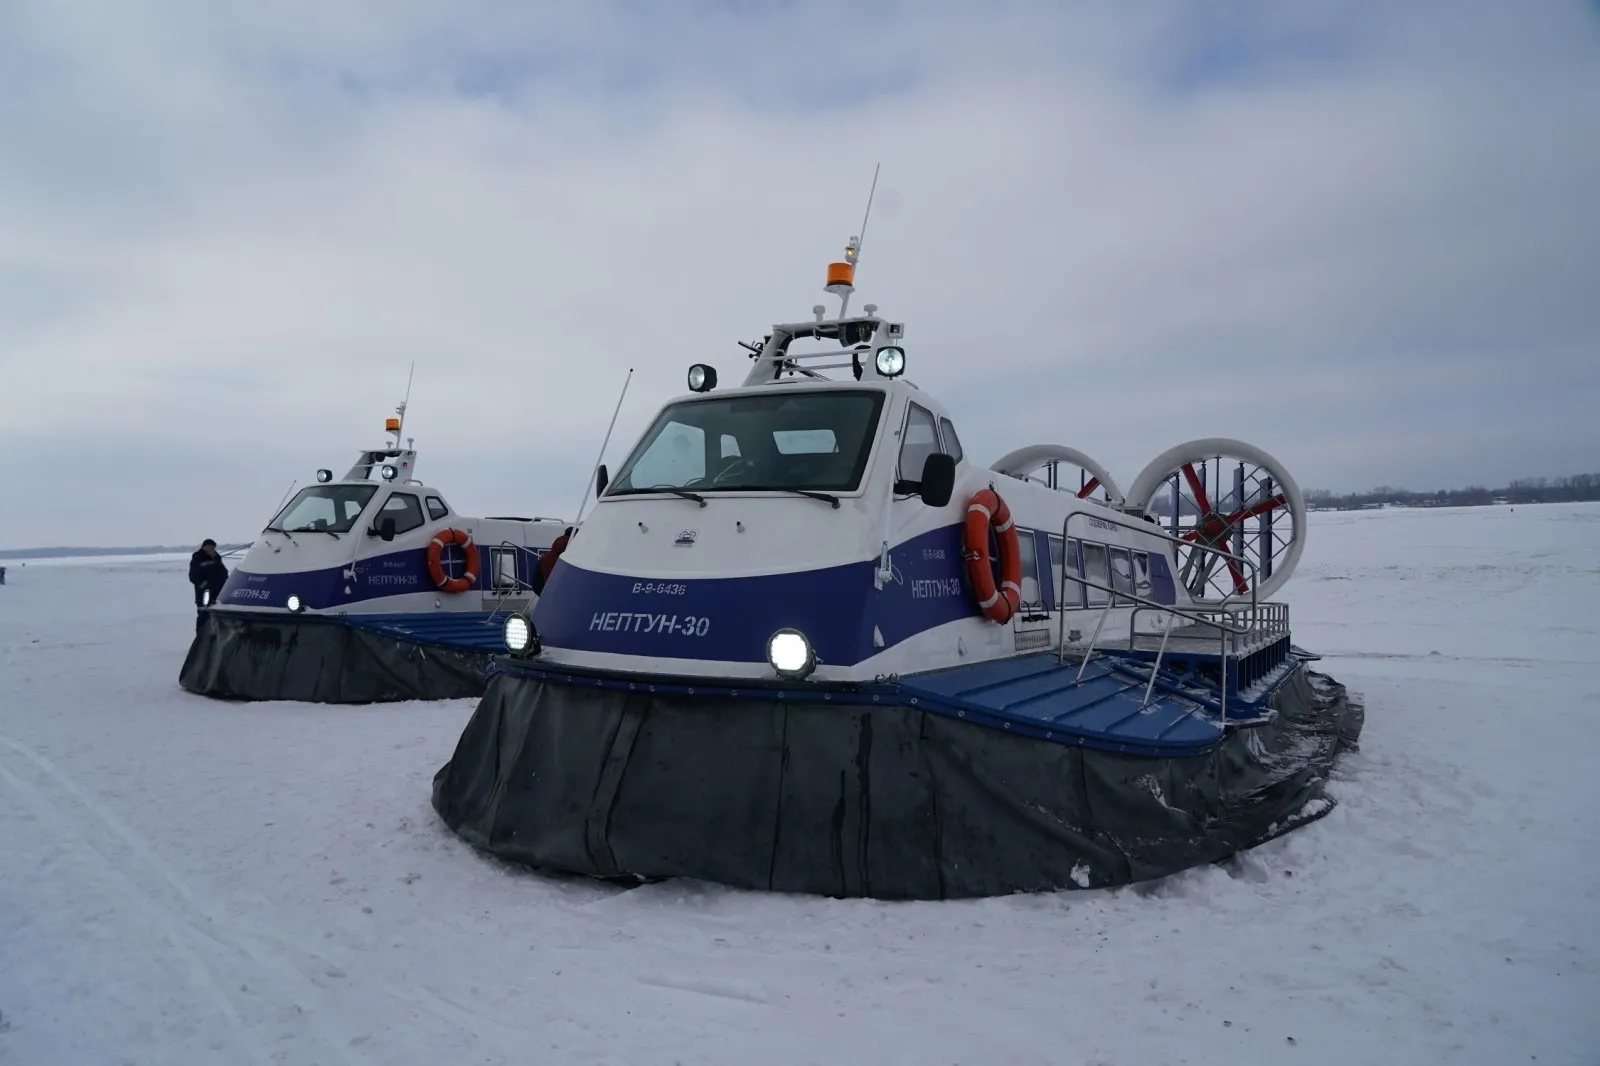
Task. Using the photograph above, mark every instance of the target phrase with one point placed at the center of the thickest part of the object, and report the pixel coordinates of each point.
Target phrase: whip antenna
(862, 240)
(590, 483)
(399, 423)
(842, 276)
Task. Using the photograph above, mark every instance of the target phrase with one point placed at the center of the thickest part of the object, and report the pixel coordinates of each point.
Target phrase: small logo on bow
(686, 538)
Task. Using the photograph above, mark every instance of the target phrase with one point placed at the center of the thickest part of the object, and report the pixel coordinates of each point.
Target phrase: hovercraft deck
(461, 630)
(1038, 696)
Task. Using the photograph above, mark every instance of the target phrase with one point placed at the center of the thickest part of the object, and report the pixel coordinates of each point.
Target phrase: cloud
(1362, 238)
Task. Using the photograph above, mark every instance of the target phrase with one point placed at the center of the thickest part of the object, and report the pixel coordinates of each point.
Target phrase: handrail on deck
(1171, 610)
(1150, 529)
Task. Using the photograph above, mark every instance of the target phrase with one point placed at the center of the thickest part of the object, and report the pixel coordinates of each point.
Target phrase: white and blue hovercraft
(804, 643)
(368, 588)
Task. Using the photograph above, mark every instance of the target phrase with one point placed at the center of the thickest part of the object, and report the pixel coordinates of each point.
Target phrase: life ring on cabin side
(987, 512)
(443, 539)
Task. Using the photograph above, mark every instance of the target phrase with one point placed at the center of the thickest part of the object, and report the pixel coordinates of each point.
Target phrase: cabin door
(1034, 625)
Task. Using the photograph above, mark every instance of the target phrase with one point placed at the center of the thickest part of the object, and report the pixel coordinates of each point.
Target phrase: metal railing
(502, 593)
(1271, 620)
(1200, 616)
(1152, 530)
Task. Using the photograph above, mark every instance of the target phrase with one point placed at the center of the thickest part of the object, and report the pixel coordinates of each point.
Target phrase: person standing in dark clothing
(207, 573)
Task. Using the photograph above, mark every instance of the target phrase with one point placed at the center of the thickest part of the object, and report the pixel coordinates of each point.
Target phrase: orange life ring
(986, 511)
(436, 547)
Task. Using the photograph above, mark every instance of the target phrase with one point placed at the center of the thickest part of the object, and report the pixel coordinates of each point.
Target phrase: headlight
(293, 603)
(522, 638)
(891, 362)
(790, 654)
(324, 476)
(702, 378)
(389, 472)
(518, 633)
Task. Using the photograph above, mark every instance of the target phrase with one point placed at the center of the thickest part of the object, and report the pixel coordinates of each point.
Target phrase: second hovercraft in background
(368, 588)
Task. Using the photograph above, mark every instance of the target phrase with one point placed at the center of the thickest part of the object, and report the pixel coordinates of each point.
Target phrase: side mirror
(601, 480)
(386, 529)
(938, 479)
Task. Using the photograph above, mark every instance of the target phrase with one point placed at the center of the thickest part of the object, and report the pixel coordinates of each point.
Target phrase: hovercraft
(804, 643)
(368, 588)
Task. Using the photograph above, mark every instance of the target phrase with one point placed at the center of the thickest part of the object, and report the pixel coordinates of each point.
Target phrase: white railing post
(1166, 631)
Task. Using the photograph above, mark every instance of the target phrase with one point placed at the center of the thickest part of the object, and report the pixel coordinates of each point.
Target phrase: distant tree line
(1574, 489)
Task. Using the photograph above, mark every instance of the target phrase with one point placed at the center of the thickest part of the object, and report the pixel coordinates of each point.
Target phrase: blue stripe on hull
(730, 619)
(395, 574)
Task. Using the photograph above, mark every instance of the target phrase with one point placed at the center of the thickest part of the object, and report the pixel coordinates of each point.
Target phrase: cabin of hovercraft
(831, 531)
(703, 549)
(377, 554)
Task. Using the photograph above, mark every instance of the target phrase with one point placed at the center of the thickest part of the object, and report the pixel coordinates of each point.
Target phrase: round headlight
(324, 475)
(790, 653)
(389, 472)
(518, 633)
(293, 603)
(891, 362)
(702, 378)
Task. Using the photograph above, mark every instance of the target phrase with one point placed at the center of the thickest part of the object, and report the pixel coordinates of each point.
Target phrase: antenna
(285, 496)
(588, 484)
(400, 426)
(852, 253)
(861, 240)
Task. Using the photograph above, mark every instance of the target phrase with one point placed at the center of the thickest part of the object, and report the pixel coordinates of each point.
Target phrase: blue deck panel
(1036, 693)
(477, 631)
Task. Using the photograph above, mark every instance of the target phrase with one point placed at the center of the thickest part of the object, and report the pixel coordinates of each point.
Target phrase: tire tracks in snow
(201, 973)
(152, 886)
(190, 919)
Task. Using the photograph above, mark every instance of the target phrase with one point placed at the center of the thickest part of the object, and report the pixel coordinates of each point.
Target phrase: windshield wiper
(685, 493)
(823, 496)
(310, 529)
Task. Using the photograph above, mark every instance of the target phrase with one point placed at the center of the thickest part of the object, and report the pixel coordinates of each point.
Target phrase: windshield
(782, 440)
(324, 509)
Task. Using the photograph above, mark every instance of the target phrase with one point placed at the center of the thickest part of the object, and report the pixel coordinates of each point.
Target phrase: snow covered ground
(186, 881)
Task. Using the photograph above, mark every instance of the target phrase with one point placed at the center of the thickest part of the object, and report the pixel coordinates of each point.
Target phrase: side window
(505, 568)
(405, 510)
(952, 443)
(1030, 568)
(436, 508)
(1121, 570)
(1096, 570)
(920, 441)
(1064, 556)
(1141, 575)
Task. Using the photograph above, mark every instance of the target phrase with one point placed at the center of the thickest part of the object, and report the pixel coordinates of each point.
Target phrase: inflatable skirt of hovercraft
(322, 660)
(884, 801)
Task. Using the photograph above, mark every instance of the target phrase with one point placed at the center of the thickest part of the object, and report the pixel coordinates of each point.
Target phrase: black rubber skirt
(318, 660)
(868, 799)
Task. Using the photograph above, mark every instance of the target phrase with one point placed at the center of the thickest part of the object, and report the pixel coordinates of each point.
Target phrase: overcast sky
(1363, 236)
